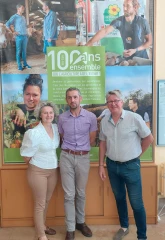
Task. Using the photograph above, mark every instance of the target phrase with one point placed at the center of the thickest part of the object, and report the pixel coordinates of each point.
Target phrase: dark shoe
(50, 231)
(85, 230)
(70, 235)
(120, 234)
(27, 66)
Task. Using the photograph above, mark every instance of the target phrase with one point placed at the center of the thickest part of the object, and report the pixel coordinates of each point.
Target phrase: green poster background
(12, 155)
(81, 67)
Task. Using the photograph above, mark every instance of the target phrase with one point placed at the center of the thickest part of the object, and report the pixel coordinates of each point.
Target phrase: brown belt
(75, 152)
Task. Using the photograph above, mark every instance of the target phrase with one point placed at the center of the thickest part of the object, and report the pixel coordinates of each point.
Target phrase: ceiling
(66, 12)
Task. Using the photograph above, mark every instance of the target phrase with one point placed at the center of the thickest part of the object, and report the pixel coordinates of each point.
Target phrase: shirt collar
(122, 115)
(48, 13)
(82, 113)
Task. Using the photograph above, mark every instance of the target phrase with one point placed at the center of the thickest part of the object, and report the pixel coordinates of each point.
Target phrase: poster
(77, 22)
(76, 66)
(161, 113)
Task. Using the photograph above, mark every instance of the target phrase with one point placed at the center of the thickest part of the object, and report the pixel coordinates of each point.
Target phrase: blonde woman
(39, 152)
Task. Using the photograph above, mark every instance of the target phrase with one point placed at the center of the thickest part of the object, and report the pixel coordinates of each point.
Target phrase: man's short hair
(19, 5)
(73, 89)
(48, 4)
(135, 100)
(136, 4)
(115, 92)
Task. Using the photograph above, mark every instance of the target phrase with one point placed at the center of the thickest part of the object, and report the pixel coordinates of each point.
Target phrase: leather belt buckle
(70, 151)
(79, 153)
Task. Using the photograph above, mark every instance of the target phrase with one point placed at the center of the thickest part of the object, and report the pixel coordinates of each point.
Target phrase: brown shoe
(85, 230)
(70, 235)
(50, 231)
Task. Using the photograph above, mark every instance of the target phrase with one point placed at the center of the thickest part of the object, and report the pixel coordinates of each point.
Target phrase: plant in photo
(13, 133)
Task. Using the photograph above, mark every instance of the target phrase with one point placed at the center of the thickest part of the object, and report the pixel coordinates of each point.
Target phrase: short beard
(128, 14)
(73, 107)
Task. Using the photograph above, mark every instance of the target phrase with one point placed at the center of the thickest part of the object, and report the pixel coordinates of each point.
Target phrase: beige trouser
(42, 183)
(74, 175)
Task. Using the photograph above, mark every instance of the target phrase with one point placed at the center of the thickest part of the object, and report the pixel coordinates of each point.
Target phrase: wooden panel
(16, 195)
(59, 202)
(149, 180)
(17, 202)
(94, 194)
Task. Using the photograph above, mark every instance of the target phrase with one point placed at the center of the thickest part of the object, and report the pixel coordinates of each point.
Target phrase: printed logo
(75, 63)
(83, 67)
(129, 40)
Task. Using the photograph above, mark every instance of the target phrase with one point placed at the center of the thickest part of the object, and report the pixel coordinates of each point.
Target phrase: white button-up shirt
(123, 140)
(38, 145)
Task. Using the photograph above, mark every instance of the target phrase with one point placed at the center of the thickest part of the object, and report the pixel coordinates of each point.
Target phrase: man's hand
(145, 143)
(129, 52)
(49, 40)
(20, 118)
(15, 33)
(102, 173)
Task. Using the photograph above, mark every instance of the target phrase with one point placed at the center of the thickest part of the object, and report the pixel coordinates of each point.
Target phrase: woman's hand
(26, 159)
(20, 118)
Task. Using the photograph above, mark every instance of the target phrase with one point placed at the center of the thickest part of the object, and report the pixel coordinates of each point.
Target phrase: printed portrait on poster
(124, 27)
(20, 94)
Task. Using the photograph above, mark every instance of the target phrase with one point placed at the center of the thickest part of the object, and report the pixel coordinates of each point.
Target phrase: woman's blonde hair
(41, 105)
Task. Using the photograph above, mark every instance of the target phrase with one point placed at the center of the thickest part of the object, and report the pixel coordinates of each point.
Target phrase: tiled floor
(101, 232)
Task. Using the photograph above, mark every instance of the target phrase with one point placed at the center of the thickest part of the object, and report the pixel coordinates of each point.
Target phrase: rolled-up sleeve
(11, 21)
(30, 143)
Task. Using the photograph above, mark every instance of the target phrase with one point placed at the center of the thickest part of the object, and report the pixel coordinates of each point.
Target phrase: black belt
(75, 152)
(129, 161)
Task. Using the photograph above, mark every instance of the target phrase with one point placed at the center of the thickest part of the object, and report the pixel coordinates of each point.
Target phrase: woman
(20, 117)
(24, 115)
(39, 152)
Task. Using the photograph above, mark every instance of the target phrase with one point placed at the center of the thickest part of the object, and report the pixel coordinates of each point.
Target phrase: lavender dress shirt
(76, 130)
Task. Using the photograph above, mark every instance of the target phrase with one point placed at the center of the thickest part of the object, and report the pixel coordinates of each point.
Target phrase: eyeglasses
(115, 102)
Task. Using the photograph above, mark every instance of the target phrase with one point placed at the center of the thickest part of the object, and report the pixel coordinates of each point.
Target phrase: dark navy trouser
(124, 176)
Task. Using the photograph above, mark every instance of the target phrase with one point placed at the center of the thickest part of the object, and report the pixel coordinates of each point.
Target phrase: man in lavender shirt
(77, 128)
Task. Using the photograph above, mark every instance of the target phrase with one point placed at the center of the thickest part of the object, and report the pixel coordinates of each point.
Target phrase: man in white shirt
(124, 137)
